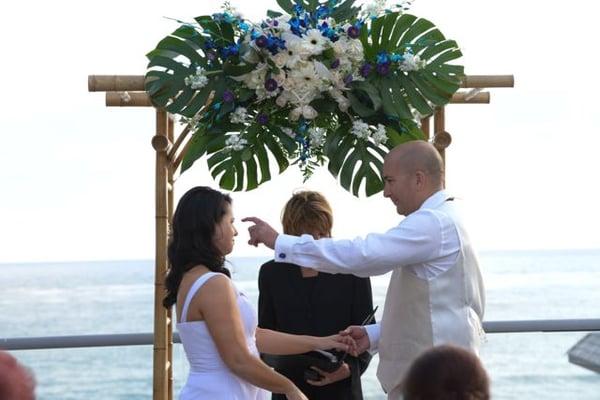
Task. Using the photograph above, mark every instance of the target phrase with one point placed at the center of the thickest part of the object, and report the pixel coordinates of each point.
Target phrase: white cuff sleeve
(373, 332)
(283, 247)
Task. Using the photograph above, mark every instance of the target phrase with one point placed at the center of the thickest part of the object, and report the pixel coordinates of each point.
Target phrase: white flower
(314, 42)
(289, 132)
(374, 9)
(283, 99)
(305, 111)
(379, 136)
(197, 80)
(295, 49)
(411, 62)
(239, 116)
(192, 122)
(360, 129)
(322, 70)
(306, 75)
(280, 59)
(343, 102)
(234, 142)
(349, 49)
(317, 136)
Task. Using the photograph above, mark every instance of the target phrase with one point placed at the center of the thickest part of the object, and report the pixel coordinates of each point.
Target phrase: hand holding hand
(261, 232)
(330, 377)
(359, 334)
(339, 342)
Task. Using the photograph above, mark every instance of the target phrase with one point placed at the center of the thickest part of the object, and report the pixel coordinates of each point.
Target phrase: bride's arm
(279, 343)
(218, 305)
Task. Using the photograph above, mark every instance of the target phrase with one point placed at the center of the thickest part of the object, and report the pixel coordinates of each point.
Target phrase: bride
(217, 323)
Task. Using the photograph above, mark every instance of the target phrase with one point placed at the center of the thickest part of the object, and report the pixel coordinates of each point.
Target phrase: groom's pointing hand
(261, 232)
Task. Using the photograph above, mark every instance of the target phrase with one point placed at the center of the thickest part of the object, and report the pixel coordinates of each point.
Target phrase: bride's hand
(295, 394)
(338, 342)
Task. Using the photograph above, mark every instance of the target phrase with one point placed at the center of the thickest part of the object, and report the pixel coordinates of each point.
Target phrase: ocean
(52, 299)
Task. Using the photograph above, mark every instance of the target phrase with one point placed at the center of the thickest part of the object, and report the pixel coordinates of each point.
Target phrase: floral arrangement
(323, 82)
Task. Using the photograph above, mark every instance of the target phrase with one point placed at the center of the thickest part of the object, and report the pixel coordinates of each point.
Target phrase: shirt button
(281, 255)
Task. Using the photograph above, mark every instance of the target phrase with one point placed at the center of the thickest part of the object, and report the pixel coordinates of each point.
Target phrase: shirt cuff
(283, 247)
(373, 332)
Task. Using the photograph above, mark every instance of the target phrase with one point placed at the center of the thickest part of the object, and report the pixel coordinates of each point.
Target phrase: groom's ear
(420, 179)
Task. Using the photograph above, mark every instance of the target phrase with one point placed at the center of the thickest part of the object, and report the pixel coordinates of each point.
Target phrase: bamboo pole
(115, 83)
(161, 337)
(468, 98)
(488, 81)
(441, 138)
(128, 99)
(170, 208)
(141, 99)
(133, 83)
(425, 127)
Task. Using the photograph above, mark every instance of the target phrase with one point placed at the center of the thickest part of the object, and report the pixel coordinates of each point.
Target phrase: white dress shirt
(426, 241)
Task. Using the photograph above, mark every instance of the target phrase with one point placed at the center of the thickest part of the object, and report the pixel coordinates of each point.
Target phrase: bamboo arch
(128, 91)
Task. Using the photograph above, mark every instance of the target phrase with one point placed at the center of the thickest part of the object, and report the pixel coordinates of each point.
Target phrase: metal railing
(140, 339)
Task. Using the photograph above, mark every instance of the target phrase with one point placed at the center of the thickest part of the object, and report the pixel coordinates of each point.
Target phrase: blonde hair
(307, 212)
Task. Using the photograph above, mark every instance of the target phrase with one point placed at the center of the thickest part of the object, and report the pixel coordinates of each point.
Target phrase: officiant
(435, 295)
(303, 301)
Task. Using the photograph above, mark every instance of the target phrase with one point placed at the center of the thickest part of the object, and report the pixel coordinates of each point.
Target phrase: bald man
(436, 293)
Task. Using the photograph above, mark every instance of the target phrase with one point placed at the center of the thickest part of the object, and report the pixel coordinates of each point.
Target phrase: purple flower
(262, 119)
(211, 56)
(270, 84)
(335, 63)
(348, 79)
(383, 69)
(228, 96)
(353, 32)
(365, 70)
(261, 41)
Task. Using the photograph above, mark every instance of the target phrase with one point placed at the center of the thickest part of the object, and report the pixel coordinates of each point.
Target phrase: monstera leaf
(175, 58)
(422, 89)
(358, 162)
(239, 170)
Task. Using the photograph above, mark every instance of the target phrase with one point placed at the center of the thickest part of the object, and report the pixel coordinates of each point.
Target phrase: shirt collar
(435, 200)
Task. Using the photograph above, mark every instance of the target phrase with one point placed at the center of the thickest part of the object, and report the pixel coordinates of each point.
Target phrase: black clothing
(319, 306)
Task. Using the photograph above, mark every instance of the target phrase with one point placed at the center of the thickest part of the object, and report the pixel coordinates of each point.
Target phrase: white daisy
(314, 42)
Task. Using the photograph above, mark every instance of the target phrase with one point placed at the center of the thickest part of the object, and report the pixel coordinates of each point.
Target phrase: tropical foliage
(319, 83)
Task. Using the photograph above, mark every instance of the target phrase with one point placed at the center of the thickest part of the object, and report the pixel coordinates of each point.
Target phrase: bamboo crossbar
(115, 83)
(128, 99)
(488, 81)
(135, 83)
(141, 99)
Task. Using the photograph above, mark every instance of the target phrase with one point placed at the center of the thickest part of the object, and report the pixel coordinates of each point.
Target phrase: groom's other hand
(261, 232)
(359, 334)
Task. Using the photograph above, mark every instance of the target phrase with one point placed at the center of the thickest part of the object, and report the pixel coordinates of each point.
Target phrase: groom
(435, 294)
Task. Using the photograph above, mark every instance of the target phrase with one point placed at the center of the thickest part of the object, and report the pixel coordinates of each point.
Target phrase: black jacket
(329, 303)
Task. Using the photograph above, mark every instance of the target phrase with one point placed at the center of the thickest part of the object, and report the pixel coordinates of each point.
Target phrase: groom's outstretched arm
(261, 232)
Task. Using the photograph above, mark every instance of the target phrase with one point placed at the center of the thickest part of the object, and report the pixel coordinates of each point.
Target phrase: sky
(77, 178)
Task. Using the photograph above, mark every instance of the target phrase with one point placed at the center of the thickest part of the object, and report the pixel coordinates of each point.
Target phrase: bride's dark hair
(192, 231)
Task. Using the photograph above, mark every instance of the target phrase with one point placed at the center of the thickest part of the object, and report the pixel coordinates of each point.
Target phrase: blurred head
(412, 172)
(447, 373)
(16, 381)
(307, 212)
(202, 232)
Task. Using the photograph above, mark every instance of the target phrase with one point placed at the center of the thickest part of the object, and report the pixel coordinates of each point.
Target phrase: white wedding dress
(209, 377)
